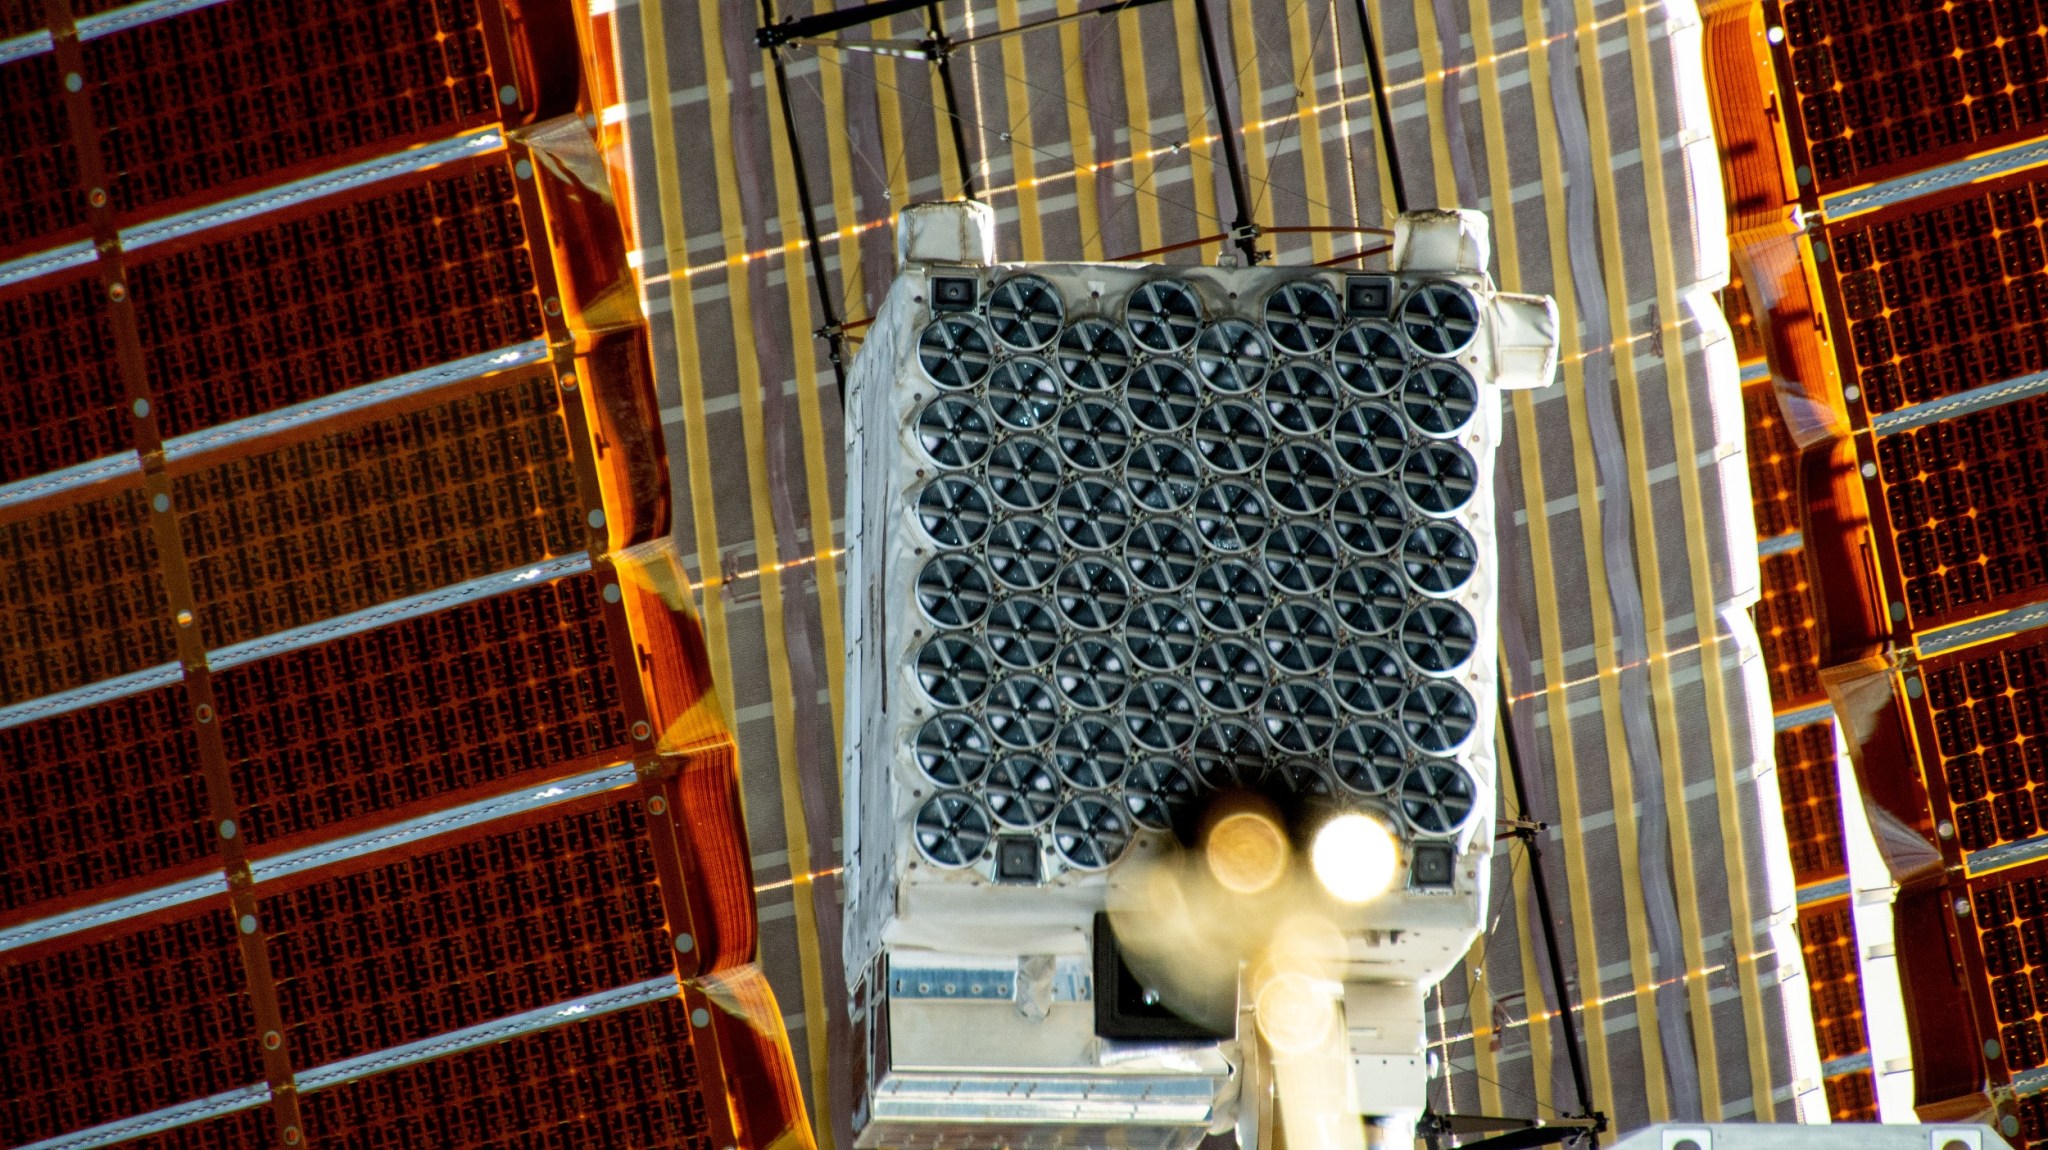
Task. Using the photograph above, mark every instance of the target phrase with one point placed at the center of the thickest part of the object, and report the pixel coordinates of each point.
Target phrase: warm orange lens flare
(1247, 852)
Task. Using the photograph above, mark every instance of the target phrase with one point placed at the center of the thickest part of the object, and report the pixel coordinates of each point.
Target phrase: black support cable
(774, 35)
(1380, 108)
(834, 338)
(1530, 837)
(941, 52)
(1110, 9)
(1241, 226)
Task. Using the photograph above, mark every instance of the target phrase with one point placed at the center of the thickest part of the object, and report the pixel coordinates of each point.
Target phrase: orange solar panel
(1982, 739)
(1813, 803)
(1773, 326)
(1881, 89)
(83, 595)
(1785, 623)
(361, 792)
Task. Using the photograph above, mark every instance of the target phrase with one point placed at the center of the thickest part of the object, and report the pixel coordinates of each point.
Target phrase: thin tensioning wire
(1035, 148)
(1162, 143)
(840, 232)
(1293, 123)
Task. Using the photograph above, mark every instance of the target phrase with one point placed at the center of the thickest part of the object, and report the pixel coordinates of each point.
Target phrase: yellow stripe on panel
(845, 209)
(1087, 212)
(1194, 91)
(1433, 102)
(1023, 157)
(1384, 147)
(1671, 752)
(1535, 1004)
(1555, 694)
(804, 366)
(747, 368)
(1508, 243)
(889, 117)
(1672, 339)
(1138, 110)
(1308, 128)
(675, 245)
(1346, 132)
(1251, 111)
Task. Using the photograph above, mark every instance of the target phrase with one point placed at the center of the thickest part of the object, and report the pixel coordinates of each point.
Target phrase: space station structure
(1121, 538)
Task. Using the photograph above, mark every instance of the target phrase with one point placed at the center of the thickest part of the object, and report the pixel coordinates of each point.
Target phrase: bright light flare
(1354, 857)
(1247, 852)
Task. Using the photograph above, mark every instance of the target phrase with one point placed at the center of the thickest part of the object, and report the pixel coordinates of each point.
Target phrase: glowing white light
(1354, 857)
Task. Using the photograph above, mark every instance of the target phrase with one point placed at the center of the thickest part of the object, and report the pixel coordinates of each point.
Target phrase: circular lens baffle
(1025, 312)
(1162, 553)
(1440, 318)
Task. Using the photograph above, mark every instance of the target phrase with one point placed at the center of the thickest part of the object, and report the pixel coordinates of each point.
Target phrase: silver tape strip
(469, 1038)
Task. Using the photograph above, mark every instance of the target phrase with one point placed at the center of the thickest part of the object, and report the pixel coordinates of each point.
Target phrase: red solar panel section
(1742, 325)
(1924, 507)
(2032, 1110)
(1827, 938)
(2011, 922)
(1786, 625)
(427, 710)
(226, 94)
(1811, 794)
(19, 16)
(628, 1078)
(1968, 524)
(456, 934)
(222, 98)
(1985, 717)
(1884, 89)
(81, 599)
(438, 798)
(1852, 1097)
(1812, 798)
(40, 200)
(121, 1026)
(1943, 294)
(64, 402)
(99, 797)
(1773, 463)
(400, 276)
(473, 486)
